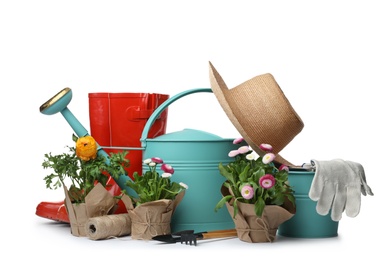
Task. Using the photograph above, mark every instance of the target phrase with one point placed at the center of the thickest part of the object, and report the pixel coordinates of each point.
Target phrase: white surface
(325, 55)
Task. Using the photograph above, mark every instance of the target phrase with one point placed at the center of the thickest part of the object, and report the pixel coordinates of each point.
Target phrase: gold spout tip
(54, 99)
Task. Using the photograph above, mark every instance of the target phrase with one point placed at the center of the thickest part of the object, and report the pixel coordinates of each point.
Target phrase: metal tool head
(167, 238)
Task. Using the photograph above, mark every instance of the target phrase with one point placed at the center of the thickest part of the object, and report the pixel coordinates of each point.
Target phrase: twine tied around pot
(262, 227)
(253, 229)
(151, 218)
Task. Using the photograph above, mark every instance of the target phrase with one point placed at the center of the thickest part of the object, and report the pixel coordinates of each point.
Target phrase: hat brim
(247, 116)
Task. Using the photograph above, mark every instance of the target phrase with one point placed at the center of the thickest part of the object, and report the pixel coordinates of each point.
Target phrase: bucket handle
(162, 107)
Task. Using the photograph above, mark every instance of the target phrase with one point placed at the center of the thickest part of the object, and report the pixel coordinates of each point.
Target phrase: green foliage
(82, 176)
(248, 171)
(152, 186)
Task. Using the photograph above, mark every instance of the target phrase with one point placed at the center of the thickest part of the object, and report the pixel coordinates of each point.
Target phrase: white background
(325, 55)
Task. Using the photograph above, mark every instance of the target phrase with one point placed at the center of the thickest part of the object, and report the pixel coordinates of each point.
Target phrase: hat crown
(259, 110)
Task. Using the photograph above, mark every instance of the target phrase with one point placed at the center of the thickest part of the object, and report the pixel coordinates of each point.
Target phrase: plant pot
(98, 202)
(152, 218)
(253, 229)
(306, 223)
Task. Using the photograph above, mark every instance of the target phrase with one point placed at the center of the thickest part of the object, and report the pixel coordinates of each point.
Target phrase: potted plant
(86, 174)
(157, 198)
(256, 193)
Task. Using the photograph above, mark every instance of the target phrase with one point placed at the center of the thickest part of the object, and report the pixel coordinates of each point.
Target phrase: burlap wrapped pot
(98, 202)
(152, 218)
(253, 229)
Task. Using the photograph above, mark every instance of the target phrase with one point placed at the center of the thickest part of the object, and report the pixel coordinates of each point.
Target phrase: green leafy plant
(82, 175)
(255, 180)
(152, 185)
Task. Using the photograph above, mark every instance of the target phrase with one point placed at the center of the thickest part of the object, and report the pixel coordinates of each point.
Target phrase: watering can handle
(163, 106)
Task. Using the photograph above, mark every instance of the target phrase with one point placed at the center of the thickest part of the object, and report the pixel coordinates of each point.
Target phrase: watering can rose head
(152, 185)
(255, 179)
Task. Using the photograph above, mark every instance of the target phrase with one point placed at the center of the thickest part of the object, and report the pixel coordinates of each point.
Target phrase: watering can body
(195, 156)
(306, 223)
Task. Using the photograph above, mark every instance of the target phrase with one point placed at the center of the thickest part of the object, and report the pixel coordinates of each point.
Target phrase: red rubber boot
(116, 120)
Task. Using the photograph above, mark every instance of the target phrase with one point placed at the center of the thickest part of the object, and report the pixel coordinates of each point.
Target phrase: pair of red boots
(116, 120)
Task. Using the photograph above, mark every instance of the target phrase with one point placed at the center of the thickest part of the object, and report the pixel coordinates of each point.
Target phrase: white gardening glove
(337, 186)
(358, 168)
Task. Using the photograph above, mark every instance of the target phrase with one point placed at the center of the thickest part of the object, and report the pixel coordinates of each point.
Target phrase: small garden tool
(190, 238)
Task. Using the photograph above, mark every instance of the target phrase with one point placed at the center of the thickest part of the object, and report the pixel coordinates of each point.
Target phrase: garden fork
(192, 238)
(189, 237)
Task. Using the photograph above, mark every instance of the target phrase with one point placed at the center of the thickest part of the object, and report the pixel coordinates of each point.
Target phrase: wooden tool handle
(220, 234)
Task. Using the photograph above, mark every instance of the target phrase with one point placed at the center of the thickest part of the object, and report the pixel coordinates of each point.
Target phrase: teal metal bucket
(306, 223)
(195, 156)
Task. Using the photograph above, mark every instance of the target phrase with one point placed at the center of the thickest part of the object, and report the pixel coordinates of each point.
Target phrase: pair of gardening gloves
(337, 186)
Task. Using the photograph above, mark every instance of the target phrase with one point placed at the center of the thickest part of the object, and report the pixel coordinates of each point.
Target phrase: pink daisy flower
(266, 147)
(167, 168)
(156, 160)
(243, 149)
(238, 140)
(284, 167)
(269, 157)
(247, 192)
(233, 153)
(267, 181)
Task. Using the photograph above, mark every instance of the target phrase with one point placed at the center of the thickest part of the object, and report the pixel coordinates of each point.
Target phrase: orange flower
(86, 148)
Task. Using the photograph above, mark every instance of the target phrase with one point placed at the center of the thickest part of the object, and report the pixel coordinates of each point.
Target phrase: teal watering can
(195, 156)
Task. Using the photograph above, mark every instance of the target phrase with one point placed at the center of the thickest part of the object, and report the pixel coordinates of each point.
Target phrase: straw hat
(260, 112)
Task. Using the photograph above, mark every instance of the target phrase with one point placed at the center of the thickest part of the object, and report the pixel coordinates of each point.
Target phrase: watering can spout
(58, 103)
